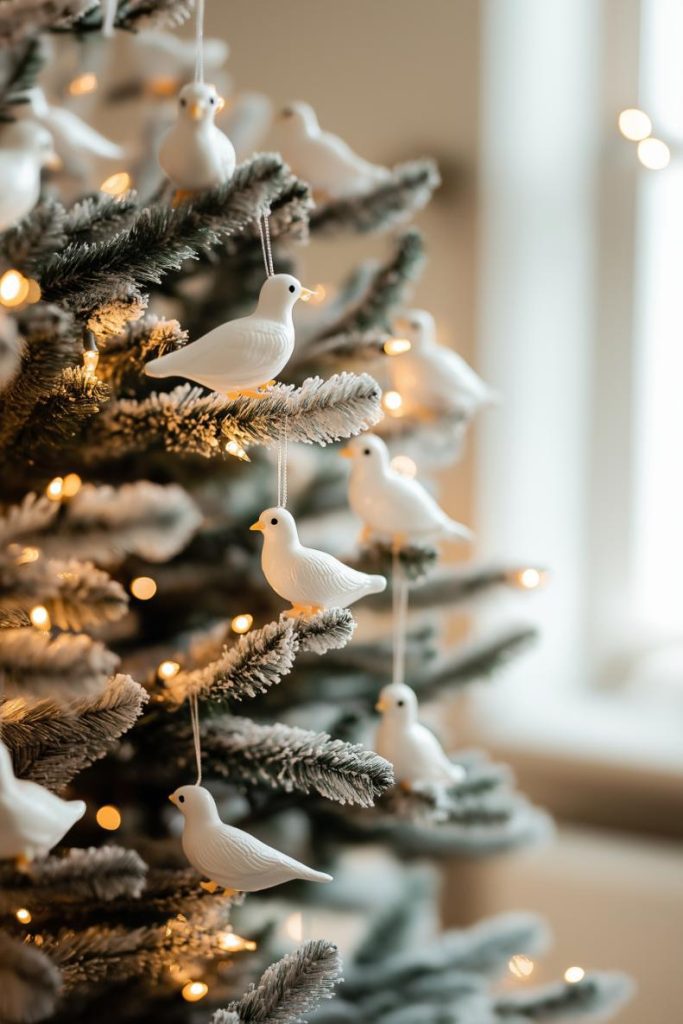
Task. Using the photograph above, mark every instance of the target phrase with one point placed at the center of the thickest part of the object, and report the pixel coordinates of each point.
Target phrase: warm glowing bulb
(40, 617)
(14, 288)
(574, 974)
(194, 991)
(163, 85)
(242, 623)
(520, 965)
(34, 293)
(28, 555)
(319, 295)
(83, 84)
(71, 485)
(91, 358)
(143, 587)
(55, 488)
(109, 818)
(529, 579)
(117, 184)
(397, 346)
(168, 669)
(654, 154)
(294, 926)
(392, 402)
(634, 124)
(404, 465)
(23, 915)
(233, 448)
(233, 943)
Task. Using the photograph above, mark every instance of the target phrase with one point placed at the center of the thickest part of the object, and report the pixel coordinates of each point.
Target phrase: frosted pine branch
(21, 19)
(22, 75)
(289, 989)
(134, 15)
(478, 659)
(50, 744)
(29, 982)
(416, 560)
(454, 584)
(408, 190)
(188, 421)
(123, 357)
(34, 663)
(100, 873)
(97, 216)
(260, 659)
(598, 993)
(35, 514)
(294, 760)
(41, 232)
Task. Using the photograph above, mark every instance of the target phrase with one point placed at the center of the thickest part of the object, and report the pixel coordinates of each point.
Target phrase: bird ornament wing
(325, 573)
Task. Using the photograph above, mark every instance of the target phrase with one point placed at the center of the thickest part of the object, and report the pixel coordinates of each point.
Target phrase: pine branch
(98, 216)
(34, 663)
(50, 745)
(478, 659)
(29, 983)
(22, 77)
(41, 232)
(416, 561)
(10, 349)
(133, 15)
(260, 659)
(601, 992)
(123, 358)
(152, 521)
(35, 514)
(289, 989)
(294, 760)
(188, 421)
(160, 238)
(22, 19)
(102, 873)
(449, 586)
(409, 189)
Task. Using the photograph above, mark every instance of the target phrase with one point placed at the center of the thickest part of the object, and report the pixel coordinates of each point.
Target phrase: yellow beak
(171, 798)
(196, 111)
(220, 103)
(380, 706)
(256, 526)
(54, 162)
(346, 453)
(306, 294)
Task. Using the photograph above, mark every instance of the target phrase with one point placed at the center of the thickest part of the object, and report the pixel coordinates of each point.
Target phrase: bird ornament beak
(307, 294)
(380, 706)
(256, 526)
(172, 799)
(196, 111)
(54, 162)
(220, 103)
(346, 453)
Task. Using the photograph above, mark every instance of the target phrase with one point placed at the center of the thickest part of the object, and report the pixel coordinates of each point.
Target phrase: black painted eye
(212, 100)
(181, 799)
(366, 451)
(273, 522)
(400, 703)
(183, 102)
(292, 288)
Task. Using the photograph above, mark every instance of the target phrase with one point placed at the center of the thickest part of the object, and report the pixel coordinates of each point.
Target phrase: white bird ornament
(322, 159)
(392, 506)
(32, 819)
(310, 580)
(241, 357)
(414, 751)
(25, 148)
(432, 377)
(194, 153)
(229, 857)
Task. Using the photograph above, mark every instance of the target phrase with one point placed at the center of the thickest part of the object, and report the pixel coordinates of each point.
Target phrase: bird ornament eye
(400, 703)
(366, 451)
(212, 100)
(183, 102)
(181, 799)
(273, 522)
(292, 288)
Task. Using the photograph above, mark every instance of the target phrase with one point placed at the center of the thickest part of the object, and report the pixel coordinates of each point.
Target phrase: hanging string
(199, 43)
(266, 247)
(194, 718)
(282, 467)
(400, 617)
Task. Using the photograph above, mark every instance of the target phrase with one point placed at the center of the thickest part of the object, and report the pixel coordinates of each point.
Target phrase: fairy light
(654, 154)
(233, 448)
(71, 485)
(23, 916)
(392, 403)
(168, 669)
(397, 346)
(91, 353)
(294, 926)
(27, 555)
(404, 465)
(193, 991)
(143, 587)
(81, 85)
(634, 124)
(521, 966)
(574, 974)
(40, 616)
(108, 817)
(242, 623)
(34, 293)
(55, 488)
(117, 184)
(529, 578)
(163, 85)
(232, 943)
(14, 288)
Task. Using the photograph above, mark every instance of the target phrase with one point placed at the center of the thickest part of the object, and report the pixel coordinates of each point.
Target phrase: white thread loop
(194, 718)
(266, 247)
(199, 43)
(399, 586)
(282, 467)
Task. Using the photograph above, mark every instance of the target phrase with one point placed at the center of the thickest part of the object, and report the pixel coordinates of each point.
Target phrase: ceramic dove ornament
(322, 159)
(429, 375)
(228, 856)
(32, 819)
(194, 153)
(241, 356)
(391, 506)
(413, 750)
(310, 580)
(25, 148)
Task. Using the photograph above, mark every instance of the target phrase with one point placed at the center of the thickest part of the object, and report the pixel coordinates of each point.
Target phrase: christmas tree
(142, 649)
